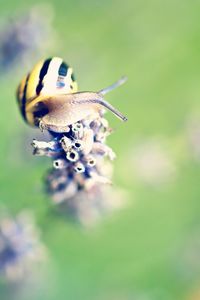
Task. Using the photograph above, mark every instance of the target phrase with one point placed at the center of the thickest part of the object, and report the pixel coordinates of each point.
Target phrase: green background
(137, 252)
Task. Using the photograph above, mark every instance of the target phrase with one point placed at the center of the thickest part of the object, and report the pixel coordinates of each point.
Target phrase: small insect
(48, 97)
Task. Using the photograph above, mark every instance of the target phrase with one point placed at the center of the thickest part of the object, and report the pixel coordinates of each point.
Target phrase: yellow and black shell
(48, 77)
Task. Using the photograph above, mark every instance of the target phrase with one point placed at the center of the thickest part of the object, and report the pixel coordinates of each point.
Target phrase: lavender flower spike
(80, 162)
(21, 249)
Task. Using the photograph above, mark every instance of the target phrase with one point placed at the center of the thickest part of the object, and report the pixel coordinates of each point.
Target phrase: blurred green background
(149, 250)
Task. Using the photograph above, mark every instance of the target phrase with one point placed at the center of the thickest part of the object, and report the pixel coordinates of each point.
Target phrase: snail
(48, 97)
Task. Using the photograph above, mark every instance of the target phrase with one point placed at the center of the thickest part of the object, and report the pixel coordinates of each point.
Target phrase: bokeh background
(150, 249)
